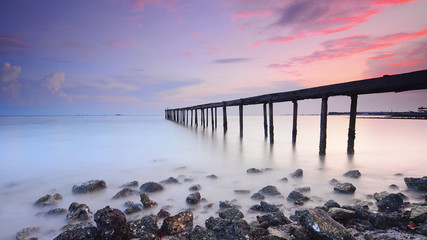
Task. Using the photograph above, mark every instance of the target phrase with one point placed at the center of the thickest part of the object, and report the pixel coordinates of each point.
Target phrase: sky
(142, 56)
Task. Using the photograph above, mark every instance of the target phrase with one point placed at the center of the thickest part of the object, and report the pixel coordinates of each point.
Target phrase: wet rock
(419, 214)
(330, 204)
(212, 176)
(273, 219)
(333, 181)
(319, 225)
(170, 180)
(78, 212)
(416, 183)
(133, 208)
(196, 187)
(227, 229)
(27, 233)
(303, 189)
(284, 179)
(388, 220)
(48, 200)
(265, 207)
(193, 198)
(226, 204)
(353, 174)
(341, 214)
(143, 228)
(270, 190)
(422, 229)
(241, 191)
(297, 174)
(163, 213)
(130, 184)
(278, 233)
(297, 197)
(151, 187)
(199, 233)
(89, 186)
(380, 195)
(55, 212)
(362, 212)
(393, 187)
(80, 233)
(188, 179)
(253, 171)
(344, 188)
(230, 213)
(146, 202)
(390, 203)
(126, 192)
(257, 196)
(110, 223)
(182, 222)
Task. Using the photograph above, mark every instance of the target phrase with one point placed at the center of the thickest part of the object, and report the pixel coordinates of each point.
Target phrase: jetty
(388, 83)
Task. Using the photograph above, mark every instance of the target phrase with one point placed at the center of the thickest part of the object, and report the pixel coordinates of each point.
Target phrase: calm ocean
(49, 154)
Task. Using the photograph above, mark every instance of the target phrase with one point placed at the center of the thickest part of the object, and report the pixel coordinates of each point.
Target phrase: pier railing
(388, 83)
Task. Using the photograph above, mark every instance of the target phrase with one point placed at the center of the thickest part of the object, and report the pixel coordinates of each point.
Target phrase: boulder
(193, 198)
(80, 233)
(125, 192)
(284, 179)
(196, 187)
(226, 204)
(229, 229)
(380, 195)
(89, 186)
(55, 212)
(361, 212)
(253, 171)
(163, 213)
(134, 208)
(199, 233)
(341, 214)
(273, 219)
(146, 202)
(143, 228)
(182, 222)
(353, 174)
(265, 207)
(388, 220)
(390, 203)
(27, 233)
(416, 183)
(48, 200)
(319, 225)
(212, 176)
(110, 223)
(270, 191)
(297, 197)
(257, 196)
(419, 214)
(344, 188)
(303, 189)
(230, 213)
(393, 187)
(151, 187)
(78, 212)
(242, 191)
(330, 204)
(297, 174)
(130, 184)
(170, 180)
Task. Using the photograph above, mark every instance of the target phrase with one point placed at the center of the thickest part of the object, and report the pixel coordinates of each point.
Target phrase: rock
(170, 180)
(257, 196)
(55, 212)
(253, 171)
(341, 214)
(110, 223)
(89, 186)
(230, 213)
(422, 229)
(319, 225)
(78, 212)
(193, 198)
(416, 183)
(146, 202)
(390, 203)
(333, 181)
(134, 208)
(393, 187)
(297, 197)
(48, 200)
(227, 229)
(199, 233)
(182, 222)
(265, 207)
(284, 179)
(381, 195)
(130, 184)
(388, 220)
(270, 191)
(297, 174)
(362, 212)
(352, 174)
(212, 176)
(126, 192)
(163, 213)
(188, 179)
(27, 233)
(241, 191)
(150, 187)
(273, 219)
(330, 204)
(303, 189)
(278, 233)
(344, 188)
(226, 204)
(143, 228)
(419, 214)
(80, 233)
(196, 187)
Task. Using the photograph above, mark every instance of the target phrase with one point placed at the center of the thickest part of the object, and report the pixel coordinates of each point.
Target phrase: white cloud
(9, 79)
(54, 83)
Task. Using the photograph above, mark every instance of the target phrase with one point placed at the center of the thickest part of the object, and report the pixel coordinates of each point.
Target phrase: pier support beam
(352, 125)
(294, 122)
(203, 118)
(241, 119)
(323, 123)
(270, 110)
(195, 118)
(191, 117)
(264, 108)
(212, 117)
(216, 119)
(224, 117)
(207, 117)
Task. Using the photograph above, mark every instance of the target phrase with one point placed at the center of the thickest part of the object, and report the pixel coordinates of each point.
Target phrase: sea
(50, 154)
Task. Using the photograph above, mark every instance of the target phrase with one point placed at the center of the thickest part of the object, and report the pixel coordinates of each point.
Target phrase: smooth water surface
(49, 154)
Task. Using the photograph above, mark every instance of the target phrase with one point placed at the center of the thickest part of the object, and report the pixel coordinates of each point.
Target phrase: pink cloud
(390, 2)
(123, 42)
(383, 55)
(196, 34)
(139, 5)
(277, 66)
(404, 63)
(260, 14)
(257, 44)
(7, 42)
(189, 53)
(179, 20)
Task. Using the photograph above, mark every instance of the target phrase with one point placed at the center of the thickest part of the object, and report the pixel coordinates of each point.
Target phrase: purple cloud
(230, 60)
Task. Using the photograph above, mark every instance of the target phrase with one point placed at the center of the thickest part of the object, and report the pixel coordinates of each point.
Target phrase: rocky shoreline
(388, 216)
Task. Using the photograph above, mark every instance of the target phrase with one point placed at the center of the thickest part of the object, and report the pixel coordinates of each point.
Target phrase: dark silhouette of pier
(388, 83)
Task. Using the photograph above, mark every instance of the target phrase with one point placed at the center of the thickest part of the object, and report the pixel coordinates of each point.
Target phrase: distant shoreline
(386, 115)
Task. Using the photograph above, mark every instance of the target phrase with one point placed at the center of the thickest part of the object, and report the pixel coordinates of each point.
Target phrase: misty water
(49, 154)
